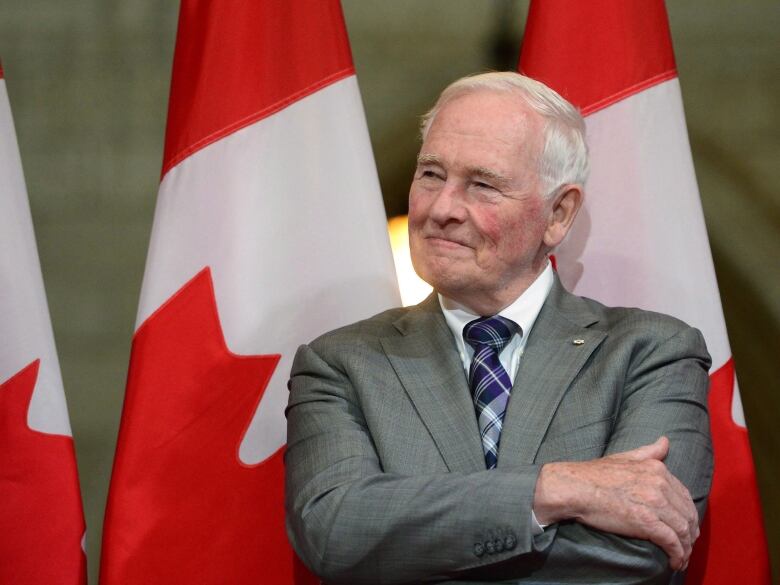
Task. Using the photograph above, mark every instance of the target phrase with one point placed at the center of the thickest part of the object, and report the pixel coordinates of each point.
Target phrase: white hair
(564, 157)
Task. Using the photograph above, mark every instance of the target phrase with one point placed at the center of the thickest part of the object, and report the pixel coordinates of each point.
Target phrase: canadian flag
(41, 516)
(269, 230)
(641, 239)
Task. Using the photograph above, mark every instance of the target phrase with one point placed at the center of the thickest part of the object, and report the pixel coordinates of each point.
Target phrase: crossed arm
(631, 494)
(352, 521)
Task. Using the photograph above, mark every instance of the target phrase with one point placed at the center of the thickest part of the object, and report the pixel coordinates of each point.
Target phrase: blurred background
(88, 83)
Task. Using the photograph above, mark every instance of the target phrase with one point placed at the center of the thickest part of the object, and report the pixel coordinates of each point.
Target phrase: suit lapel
(426, 361)
(551, 361)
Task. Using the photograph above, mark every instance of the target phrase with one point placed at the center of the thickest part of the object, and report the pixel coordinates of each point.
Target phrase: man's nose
(449, 204)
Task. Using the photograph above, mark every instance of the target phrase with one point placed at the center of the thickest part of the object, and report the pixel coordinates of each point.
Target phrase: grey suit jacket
(386, 478)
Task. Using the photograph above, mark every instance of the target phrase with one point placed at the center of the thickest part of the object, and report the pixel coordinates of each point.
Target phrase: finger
(672, 510)
(679, 525)
(690, 508)
(679, 513)
(656, 450)
(666, 538)
(680, 498)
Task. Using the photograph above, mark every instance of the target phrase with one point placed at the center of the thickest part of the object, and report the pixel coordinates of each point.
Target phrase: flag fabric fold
(41, 515)
(269, 230)
(641, 239)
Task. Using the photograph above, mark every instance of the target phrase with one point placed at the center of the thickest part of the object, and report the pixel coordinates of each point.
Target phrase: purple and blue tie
(489, 382)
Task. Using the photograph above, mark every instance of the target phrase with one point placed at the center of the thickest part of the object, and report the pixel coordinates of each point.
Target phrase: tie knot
(494, 332)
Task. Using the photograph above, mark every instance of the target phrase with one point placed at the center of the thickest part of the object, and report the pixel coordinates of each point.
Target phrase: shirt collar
(523, 311)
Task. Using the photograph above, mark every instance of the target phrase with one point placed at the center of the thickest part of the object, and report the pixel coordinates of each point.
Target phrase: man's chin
(448, 284)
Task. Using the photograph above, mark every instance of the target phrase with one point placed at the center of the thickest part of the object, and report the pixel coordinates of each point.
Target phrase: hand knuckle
(655, 499)
(677, 524)
(667, 540)
(647, 516)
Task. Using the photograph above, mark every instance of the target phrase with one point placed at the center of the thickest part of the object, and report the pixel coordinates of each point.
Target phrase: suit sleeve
(350, 522)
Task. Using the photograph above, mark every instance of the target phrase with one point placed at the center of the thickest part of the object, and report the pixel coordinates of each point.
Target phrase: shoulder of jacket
(379, 325)
(639, 328)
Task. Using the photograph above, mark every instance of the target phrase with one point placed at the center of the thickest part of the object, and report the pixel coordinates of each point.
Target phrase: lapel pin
(578, 341)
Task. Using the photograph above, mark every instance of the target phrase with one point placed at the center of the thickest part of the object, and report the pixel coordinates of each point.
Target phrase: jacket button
(498, 544)
(479, 550)
(510, 542)
(490, 547)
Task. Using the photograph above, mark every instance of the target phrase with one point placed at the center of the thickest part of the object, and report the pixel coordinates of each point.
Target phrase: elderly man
(503, 430)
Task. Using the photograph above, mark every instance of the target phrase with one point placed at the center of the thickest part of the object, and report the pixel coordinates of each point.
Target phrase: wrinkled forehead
(500, 118)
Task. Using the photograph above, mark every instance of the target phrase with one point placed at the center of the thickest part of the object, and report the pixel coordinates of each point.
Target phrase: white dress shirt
(524, 312)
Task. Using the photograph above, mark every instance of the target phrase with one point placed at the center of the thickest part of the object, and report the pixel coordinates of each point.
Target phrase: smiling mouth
(446, 243)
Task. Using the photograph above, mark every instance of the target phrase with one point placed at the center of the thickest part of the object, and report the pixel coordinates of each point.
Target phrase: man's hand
(630, 493)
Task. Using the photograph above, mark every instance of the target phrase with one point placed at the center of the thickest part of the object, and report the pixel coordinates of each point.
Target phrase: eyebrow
(428, 159)
(478, 171)
(489, 174)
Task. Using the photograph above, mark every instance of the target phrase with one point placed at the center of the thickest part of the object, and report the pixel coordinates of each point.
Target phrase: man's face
(477, 218)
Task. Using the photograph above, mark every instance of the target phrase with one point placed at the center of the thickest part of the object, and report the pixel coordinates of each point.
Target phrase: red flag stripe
(41, 518)
(222, 66)
(734, 500)
(598, 40)
(195, 400)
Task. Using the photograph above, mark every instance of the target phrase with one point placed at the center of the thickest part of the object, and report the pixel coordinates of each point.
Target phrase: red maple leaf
(182, 507)
(41, 517)
(734, 506)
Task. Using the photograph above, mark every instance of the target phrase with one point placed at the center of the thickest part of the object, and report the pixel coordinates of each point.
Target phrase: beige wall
(88, 81)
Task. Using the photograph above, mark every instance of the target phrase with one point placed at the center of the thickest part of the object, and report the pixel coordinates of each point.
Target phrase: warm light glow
(413, 288)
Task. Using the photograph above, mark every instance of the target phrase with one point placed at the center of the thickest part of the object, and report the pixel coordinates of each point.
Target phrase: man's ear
(563, 210)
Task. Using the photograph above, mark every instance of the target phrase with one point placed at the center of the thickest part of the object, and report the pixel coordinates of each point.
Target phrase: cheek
(491, 228)
(418, 210)
(516, 238)
(493, 234)
(521, 236)
(416, 218)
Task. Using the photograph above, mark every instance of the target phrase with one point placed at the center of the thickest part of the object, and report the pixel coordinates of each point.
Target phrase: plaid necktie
(489, 382)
